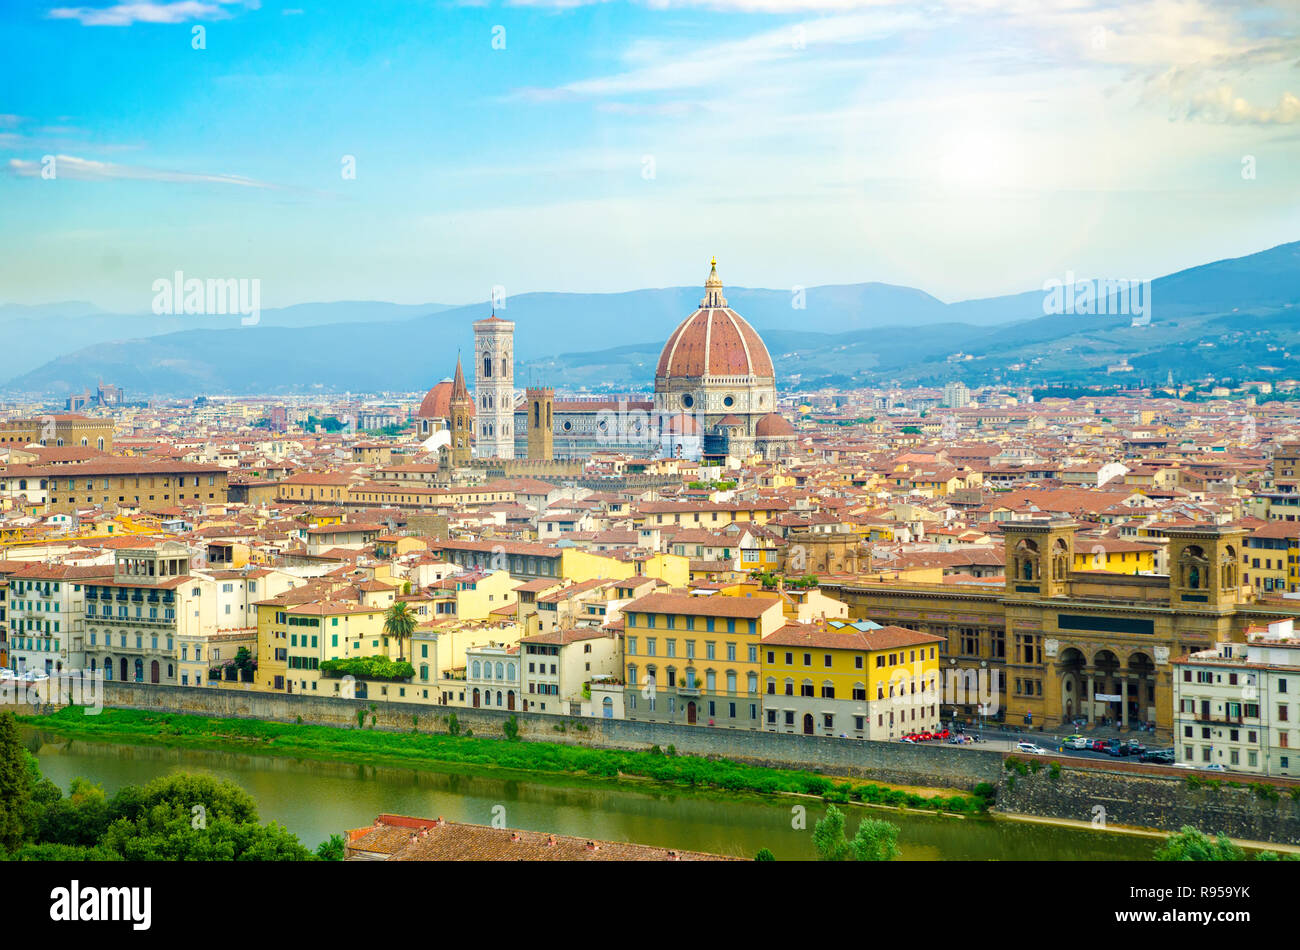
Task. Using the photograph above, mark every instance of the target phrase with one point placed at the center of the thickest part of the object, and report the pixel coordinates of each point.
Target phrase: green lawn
(439, 751)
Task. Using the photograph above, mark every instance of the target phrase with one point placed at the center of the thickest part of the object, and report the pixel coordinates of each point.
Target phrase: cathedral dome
(437, 402)
(714, 341)
(773, 426)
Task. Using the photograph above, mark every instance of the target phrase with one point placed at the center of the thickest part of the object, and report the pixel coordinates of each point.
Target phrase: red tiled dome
(772, 426)
(714, 342)
(437, 402)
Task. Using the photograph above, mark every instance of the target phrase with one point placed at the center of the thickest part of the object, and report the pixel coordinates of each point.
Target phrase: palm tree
(400, 622)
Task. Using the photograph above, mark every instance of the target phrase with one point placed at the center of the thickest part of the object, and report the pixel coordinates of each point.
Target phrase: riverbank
(449, 751)
(315, 798)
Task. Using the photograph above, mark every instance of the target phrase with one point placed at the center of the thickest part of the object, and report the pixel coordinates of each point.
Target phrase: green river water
(315, 799)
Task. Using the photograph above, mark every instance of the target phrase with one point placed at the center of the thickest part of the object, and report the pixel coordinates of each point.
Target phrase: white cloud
(144, 11)
(83, 169)
(1224, 105)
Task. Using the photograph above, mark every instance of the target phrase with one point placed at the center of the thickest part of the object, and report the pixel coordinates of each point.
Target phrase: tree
(828, 836)
(400, 622)
(1192, 845)
(332, 849)
(79, 820)
(15, 786)
(764, 854)
(875, 841)
(195, 818)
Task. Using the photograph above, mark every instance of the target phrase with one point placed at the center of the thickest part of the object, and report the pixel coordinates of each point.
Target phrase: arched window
(1026, 558)
(500, 670)
(1193, 567)
(474, 667)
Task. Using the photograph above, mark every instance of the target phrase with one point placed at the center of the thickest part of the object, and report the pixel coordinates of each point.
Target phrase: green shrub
(369, 668)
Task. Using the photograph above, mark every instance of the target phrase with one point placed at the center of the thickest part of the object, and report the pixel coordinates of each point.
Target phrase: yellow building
(1110, 554)
(474, 596)
(696, 659)
(859, 680)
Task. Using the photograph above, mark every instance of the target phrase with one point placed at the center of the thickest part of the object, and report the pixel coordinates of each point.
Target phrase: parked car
(1098, 745)
(941, 734)
(1028, 748)
(1214, 767)
(1117, 749)
(7, 674)
(1076, 742)
(907, 739)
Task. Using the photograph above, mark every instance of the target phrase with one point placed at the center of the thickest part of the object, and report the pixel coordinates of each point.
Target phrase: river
(315, 799)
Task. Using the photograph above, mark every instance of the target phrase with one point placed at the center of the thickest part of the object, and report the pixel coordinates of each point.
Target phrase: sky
(420, 151)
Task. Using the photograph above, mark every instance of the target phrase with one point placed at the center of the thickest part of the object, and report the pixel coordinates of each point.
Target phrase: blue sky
(966, 147)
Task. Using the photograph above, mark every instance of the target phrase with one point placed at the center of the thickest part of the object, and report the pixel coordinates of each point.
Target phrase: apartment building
(859, 681)
(696, 659)
(47, 615)
(134, 617)
(1238, 705)
(555, 667)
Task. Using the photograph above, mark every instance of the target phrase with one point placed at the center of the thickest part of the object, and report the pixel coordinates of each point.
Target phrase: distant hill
(1219, 318)
(49, 331)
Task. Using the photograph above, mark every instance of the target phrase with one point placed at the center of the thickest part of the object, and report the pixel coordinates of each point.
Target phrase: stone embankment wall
(1253, 811)
(1093, 793)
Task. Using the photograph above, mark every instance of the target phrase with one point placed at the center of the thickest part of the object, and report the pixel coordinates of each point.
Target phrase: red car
(1098, 745)
(941, 734)
(925, 737)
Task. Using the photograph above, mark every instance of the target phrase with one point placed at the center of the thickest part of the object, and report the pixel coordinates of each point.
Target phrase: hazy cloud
(84, 169)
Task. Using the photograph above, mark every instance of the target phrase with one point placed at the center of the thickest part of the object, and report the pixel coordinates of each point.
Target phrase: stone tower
(1040, 556)
(541, 431)
(1204, 566)
(462, 419)
(494, 387)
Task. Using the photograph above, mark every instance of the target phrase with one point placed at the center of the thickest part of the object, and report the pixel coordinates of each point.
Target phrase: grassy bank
(444, 752)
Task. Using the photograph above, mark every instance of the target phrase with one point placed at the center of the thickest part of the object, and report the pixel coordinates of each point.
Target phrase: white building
(47, 611)
(1237, 704)
(556, 666)
(492, 677)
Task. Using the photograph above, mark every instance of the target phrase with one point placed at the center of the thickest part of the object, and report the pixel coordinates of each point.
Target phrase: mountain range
(1231, 318)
